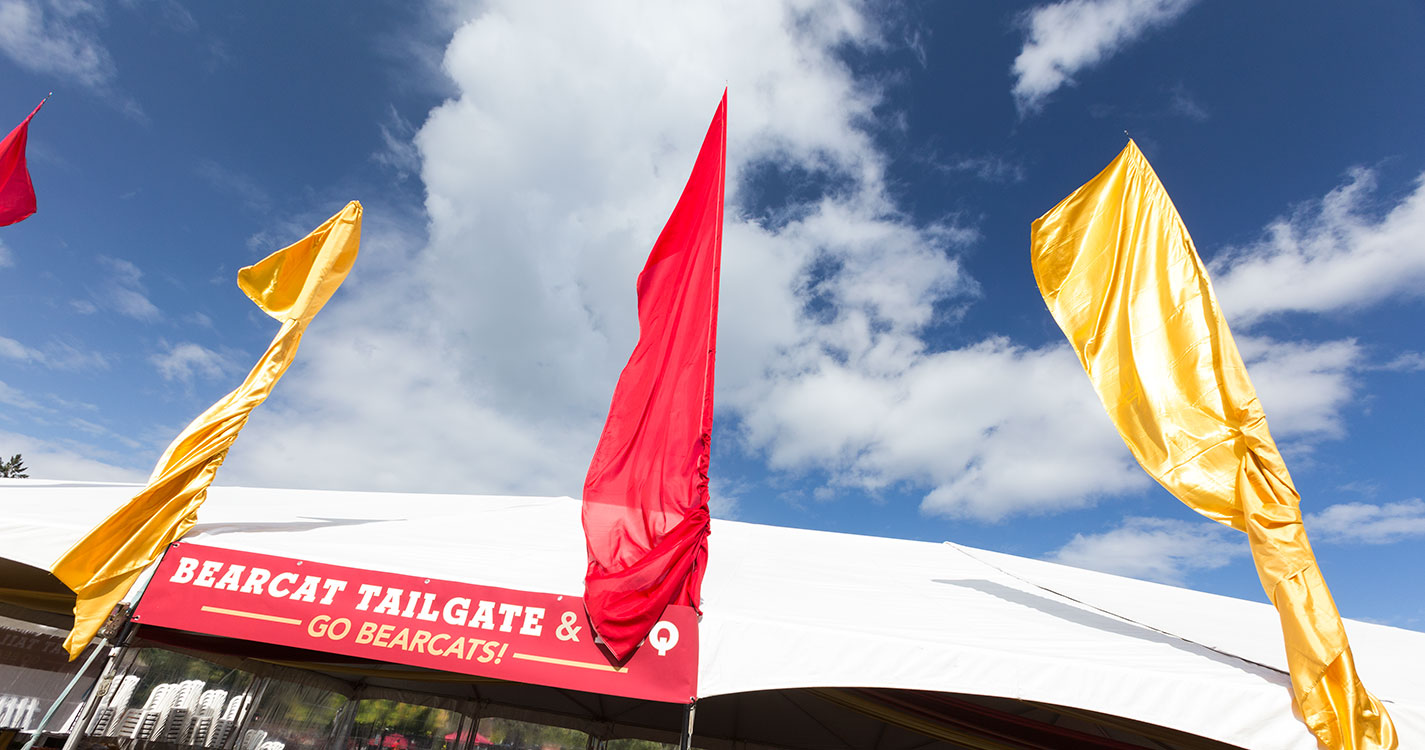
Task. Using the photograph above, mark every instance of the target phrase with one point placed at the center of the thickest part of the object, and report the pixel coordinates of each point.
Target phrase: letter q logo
(663, 637)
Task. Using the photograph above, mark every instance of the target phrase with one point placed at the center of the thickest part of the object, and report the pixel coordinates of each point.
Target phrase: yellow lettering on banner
(488, 652)
(418, 641)
(401, 640)
(382, 634)
(457, 648)
(231, 579)
(433, 649)
(367, 632)
(342, 624)
(474, 647)
(318, 626)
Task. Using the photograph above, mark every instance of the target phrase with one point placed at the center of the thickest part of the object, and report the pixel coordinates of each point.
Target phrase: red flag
(17, 195)
(646, 494)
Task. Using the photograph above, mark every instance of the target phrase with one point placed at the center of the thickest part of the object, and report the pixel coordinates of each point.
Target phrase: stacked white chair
(107, 719)
(232, 715)
(253, 739)
(210, 704)
(182, 704)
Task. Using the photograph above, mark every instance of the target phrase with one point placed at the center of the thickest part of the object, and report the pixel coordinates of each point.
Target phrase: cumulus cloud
(479, 355)
(1155, 549)
(1339, 253)
(1304, 386)
(184, 360)
(992, 429)
(495, 350)
(1368, 523)
(1065, 37)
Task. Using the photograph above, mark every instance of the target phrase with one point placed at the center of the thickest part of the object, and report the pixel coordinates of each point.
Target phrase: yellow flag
(1119, 273)
(291, 285)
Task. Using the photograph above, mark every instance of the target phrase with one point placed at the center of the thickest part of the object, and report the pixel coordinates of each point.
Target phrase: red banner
(520, 636)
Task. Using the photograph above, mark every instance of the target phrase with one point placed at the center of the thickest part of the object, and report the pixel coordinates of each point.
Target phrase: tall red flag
(17, 195)
(646, 494)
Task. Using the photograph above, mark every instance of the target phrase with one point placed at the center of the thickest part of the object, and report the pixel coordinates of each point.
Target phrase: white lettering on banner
(411, 604)
(663, 637)
(426, 613)
(532, 616)
(484, 616)
(307, 592)
(368, 590)
(255, 578)
(509, 611)
(231, 579)
(205, 576)
(392, 602)
(184, 573)
(458, 617)
(332, 586)
(283, 593)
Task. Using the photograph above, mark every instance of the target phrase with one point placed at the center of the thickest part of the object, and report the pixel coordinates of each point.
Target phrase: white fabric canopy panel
(789, 608)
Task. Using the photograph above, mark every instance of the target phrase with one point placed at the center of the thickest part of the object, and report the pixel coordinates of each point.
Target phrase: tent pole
(343, 725)
(686, 741)
(96, 697)
(64, 694)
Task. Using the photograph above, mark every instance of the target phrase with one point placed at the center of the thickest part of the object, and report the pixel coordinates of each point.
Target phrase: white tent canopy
(789, 609)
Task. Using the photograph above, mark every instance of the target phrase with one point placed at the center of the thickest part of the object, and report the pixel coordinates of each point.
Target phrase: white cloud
(1331, 255)
(123, 292)
(487, 364)
(184, 360)
(482, 359)
(1368, 523)
(992, 430)
(11, 396)
(56, 38)
(7, 258)
(1405, 362)
(75, 461)
(55, 355)
(1069, 36)
(1303, 386)
(988, 167)
(1156, 549)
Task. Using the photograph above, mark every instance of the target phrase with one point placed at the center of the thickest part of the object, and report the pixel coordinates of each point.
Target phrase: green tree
(14, 468)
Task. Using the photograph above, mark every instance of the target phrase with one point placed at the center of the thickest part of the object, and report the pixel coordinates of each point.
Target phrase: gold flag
(1119, 273)
(291, 285)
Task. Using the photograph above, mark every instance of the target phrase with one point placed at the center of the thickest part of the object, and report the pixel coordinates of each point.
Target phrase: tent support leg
(686, 741)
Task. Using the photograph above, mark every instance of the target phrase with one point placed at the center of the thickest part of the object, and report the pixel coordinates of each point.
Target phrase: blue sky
(885, 363)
